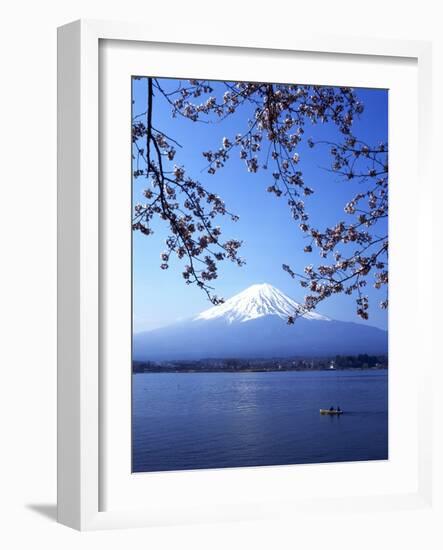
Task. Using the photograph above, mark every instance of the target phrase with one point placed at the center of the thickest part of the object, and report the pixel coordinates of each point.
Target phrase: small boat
(331, 411)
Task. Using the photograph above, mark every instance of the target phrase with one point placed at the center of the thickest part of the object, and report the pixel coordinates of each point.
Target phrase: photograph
(259, 273)
(221, 284)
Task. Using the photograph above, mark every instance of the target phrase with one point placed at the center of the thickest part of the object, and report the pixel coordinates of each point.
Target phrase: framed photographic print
(231, 218)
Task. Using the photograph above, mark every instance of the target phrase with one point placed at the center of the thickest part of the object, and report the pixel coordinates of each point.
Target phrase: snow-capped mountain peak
(256, 301)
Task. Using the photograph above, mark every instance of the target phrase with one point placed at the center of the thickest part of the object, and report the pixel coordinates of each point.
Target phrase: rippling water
(214, 420)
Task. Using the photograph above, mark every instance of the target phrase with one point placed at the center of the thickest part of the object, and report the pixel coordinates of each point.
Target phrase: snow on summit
(257, 301)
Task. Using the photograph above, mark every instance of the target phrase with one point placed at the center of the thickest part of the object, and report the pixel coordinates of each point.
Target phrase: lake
(184, 421)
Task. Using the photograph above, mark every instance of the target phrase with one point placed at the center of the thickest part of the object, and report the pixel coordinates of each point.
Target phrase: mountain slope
(254, 302)
(253, 324)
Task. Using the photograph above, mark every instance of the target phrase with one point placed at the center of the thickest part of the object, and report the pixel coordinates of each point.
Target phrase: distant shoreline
(277, 364)
(339, 362)
(217, 371)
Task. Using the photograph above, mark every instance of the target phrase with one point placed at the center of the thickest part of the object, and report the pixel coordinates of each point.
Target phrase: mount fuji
(254, 302)
(253, 324)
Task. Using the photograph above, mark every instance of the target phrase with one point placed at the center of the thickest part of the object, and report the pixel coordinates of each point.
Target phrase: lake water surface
(213, 420)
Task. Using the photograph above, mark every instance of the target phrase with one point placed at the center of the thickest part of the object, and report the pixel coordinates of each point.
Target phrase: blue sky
(270, 237)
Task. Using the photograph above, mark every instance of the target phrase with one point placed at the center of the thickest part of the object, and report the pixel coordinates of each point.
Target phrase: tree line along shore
(338, 362)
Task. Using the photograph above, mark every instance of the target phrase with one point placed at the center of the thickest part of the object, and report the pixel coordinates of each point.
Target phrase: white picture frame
(81, 394)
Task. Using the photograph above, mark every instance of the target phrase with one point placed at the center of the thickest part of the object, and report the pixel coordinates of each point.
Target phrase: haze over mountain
(253, 324)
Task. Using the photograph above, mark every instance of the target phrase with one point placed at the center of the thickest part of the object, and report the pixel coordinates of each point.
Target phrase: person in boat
(331, 409)
(338, 409)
